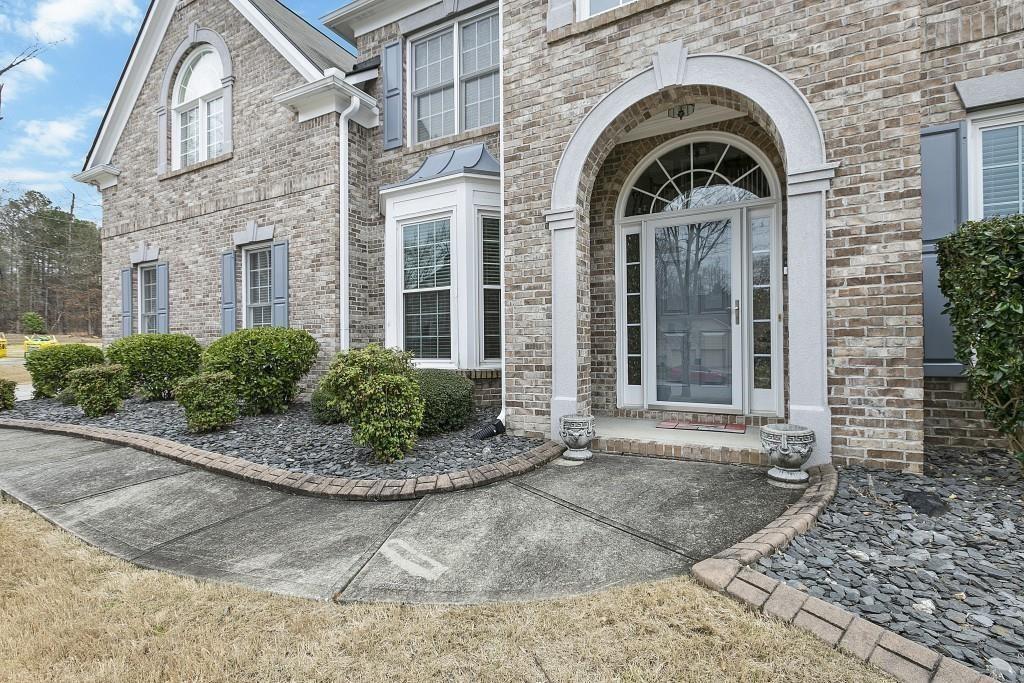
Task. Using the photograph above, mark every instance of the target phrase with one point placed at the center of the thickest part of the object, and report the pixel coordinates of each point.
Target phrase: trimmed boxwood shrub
(981, 272)
(267, 364)
(50, 365)
(324, 408)
(375, 390)
(209, 399)
(67, 397)
(157, 362)
(7, 394)
(447, 400)
(98, 388)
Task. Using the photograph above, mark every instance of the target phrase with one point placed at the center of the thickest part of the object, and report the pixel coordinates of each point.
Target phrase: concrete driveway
(554, 532)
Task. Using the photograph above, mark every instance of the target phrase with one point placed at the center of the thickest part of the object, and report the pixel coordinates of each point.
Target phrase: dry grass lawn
(72, 613)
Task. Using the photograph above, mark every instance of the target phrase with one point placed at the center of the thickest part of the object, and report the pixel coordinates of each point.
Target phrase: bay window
(490, 259)
(452, 95)
(426, 265)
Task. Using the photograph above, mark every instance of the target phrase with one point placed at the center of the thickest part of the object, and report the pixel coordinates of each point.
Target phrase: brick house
(638, 209)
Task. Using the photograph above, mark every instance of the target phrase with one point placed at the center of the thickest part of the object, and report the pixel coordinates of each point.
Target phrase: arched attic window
(198, 109)
(697, 175)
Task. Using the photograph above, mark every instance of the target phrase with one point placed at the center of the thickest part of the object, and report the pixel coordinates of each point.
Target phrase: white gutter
(501, 194)
(344, 322)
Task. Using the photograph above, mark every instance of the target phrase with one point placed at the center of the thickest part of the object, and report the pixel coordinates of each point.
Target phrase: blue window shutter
(162, 296)
(393, 100)
(227, 293)
(943, 209)
(279, 283)
(126, 302)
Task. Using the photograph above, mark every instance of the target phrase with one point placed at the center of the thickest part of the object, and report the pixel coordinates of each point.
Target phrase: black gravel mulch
(292, 441)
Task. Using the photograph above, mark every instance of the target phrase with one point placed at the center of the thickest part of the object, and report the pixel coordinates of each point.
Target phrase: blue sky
(53, 105)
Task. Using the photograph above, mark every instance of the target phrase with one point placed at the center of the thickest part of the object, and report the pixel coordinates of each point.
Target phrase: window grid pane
(1002, 169)
(259, 294)
(634, 334)
(435, 114)
(426, 261)
(214, 127)
(760, 240)
(148, 300)
(189, 135)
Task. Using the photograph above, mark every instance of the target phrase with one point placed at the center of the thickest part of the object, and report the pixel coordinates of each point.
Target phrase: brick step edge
(728, 572)
(341, 488)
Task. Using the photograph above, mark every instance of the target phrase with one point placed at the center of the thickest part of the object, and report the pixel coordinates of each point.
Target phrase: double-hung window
(426, 294)
(198, 110)
(1002, 170)
(449, 94)
(258, 288)
(490, 258)
(147, 300)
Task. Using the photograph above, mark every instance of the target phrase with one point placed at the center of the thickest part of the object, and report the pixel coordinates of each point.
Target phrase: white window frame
(201, 103)
(753, 402)
(463, 199)
(484, 361)
(978, 123)
(584, 9)
(262, 246)
(141, 270)
(455, 27)
(450, 287)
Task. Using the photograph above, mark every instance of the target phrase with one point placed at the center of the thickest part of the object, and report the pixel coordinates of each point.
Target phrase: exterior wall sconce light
(681, 111)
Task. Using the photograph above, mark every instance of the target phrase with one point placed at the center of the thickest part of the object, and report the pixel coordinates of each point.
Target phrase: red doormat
(731, 428)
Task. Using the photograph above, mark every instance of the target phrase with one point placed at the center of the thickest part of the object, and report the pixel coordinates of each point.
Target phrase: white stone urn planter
(577, 431)
(788, 448)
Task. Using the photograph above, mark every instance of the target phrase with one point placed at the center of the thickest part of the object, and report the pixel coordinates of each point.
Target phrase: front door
(692, 311)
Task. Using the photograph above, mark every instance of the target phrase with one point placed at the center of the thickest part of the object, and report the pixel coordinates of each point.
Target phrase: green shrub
(32, 323)
(374, 389)
(157, 362)
(50, 365)
(267, 364)
(98, 388)
(447, 400)
(982, 275)
(7, 394)
(67, 397)
(209, 399)
(324, 408)
(390, 417)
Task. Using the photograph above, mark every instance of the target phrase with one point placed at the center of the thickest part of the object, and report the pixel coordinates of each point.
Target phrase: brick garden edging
(727, 572)
(296, 482)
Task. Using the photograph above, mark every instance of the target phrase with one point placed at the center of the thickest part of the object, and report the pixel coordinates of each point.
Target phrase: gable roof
(308, 50)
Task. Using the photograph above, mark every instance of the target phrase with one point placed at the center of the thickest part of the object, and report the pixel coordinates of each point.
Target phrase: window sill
(603, 19)
(453, 139)
(195, 167)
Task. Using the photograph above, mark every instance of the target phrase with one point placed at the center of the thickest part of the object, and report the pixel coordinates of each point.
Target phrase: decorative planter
(577, 431)
(788, 448)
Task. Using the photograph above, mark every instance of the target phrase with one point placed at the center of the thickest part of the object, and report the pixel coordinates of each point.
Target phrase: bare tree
(26, 55)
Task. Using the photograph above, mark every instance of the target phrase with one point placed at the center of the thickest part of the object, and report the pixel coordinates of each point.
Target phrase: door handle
(736, 310)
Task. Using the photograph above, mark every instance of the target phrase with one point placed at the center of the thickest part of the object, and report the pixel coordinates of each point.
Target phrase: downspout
(502, 418)
(344, 201)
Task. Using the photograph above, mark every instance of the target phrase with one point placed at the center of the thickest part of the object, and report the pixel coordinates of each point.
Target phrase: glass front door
(694, 327)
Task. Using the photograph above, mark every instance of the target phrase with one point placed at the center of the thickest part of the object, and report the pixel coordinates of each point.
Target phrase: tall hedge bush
(375, 390)
(50, 365)
(157, 362)
(267, 364)
(981, 272)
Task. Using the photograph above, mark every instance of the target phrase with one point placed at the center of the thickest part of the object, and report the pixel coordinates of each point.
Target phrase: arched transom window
(697, 175)
(199, 109)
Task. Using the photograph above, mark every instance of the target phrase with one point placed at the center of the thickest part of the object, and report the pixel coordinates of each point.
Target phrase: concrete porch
(628, 436)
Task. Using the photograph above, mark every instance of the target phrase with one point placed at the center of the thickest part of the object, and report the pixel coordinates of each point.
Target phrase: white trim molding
(330, 94)
(102, 176)
(809, 177)
(977, 124)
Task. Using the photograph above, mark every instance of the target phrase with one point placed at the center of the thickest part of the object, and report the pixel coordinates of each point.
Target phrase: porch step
(623, 436)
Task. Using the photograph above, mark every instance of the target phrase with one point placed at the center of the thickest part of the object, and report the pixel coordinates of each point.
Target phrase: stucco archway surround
(808, 178)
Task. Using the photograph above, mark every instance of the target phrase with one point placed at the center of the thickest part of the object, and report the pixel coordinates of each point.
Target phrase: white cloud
(21, 77)
(55, 20)
(6, 24)
(55, 139)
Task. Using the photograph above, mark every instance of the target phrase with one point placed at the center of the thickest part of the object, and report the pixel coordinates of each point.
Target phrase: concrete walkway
(556, 531)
